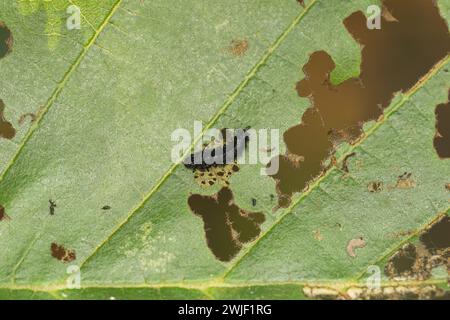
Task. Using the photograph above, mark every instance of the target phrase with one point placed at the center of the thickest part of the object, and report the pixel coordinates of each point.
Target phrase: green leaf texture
(107, 98)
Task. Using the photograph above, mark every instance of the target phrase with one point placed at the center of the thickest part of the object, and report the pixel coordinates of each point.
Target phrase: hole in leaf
(437, 237)
(375, 186)
(6, 40)
(3, 215)
(7, 131)
(442, 138)
(394, 58)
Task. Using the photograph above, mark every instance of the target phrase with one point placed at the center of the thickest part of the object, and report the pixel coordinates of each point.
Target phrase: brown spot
(405, 181)
(394, 59)
(447, 186)
(227, 226)
(220, 152)
(3, 215)
(401, 234)
(301, 2)
(375, 186)
(404, 262)
(6, 40)
(238, 47)
(355, 244)
(345, 162)
(442, 138)
(7, 131)
(61, 253)
(437, 237)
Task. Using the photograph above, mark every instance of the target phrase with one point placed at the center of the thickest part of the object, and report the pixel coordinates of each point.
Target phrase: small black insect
(226, 152)
(52, 207)
(106, 208)
(254, 202)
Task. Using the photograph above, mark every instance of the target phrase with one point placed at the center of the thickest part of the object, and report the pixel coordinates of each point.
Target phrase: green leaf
(105, 100)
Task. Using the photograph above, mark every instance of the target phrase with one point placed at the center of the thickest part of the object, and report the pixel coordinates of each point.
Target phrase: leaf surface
(107, 98)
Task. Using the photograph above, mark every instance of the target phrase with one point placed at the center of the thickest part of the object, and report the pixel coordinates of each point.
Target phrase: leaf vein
(251, 75)
(59, 89)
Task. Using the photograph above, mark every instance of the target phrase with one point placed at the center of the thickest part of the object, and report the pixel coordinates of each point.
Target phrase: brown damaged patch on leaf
(238, 47)
(7, 131)
(375, 186)
(403, 233)
(388, 15)
(218, 174)
(3, 215)
(323, 293)
(437, 237)
(417, 261)
(6, 40)
(227, 226)
(61, 253)
(447, 186)
(442, 138)
(393, 292)
(51, 207)
(394, 59)
(405, 181)
(410, 262)
(302, 3)
(398, 292)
